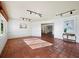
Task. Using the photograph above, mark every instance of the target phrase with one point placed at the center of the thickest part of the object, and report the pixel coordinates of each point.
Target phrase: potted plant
(65, 30)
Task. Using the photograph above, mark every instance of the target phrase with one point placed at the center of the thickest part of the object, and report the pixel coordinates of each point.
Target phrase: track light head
(30, 12)
(70, 12)
(23, 18)
(40, 15)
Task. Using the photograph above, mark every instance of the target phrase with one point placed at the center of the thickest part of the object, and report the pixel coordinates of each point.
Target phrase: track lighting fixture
(70, 11)
(34, 13)
(27, 19)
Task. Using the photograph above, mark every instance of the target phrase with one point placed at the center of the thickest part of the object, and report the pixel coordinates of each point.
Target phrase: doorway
(47, 31)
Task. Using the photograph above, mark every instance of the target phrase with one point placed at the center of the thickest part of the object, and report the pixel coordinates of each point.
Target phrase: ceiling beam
(3, 12)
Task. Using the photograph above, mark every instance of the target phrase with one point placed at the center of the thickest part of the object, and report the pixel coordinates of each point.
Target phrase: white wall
(3, 37)
(34, 27)
(14, 30)
(77, 28)
(58, 26)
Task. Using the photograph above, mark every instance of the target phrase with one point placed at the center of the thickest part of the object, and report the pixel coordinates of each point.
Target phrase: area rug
(35, 43)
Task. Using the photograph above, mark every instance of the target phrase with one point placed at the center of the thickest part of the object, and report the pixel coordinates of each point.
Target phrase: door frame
(46, 24)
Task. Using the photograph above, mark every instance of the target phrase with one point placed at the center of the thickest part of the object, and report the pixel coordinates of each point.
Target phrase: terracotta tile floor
(16, 48)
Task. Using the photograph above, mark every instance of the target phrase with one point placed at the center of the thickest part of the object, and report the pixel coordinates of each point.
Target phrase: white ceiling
(49, 9)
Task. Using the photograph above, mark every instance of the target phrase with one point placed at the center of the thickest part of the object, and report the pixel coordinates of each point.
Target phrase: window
(1, 26)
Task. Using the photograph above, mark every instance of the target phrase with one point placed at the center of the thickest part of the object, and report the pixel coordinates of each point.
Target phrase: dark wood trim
(2, 11)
